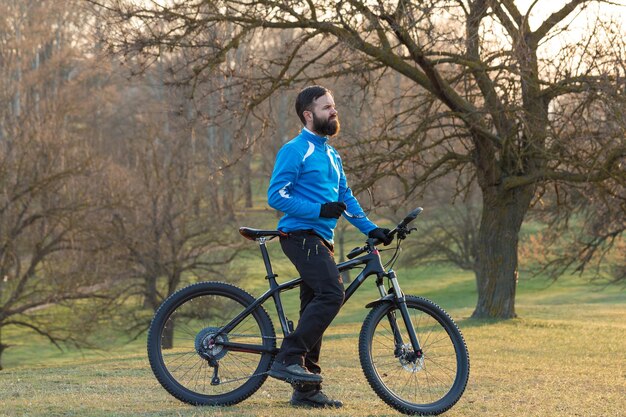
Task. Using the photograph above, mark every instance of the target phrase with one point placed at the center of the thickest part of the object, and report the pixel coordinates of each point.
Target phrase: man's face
(325, 119)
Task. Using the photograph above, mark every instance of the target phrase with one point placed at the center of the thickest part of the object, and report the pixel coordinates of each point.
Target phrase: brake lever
(371, 242)
(403, 232)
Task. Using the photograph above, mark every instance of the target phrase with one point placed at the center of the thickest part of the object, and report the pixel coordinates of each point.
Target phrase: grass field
(564, 356)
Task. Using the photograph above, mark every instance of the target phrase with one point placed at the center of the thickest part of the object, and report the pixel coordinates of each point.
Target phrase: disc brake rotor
(409, 361)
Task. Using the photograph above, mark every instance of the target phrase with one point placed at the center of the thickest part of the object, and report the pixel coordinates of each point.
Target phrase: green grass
(564, 356)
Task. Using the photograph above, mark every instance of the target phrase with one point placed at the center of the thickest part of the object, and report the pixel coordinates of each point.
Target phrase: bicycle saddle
(253, 234)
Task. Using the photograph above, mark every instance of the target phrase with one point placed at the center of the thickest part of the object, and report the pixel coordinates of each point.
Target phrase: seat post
(266, 260)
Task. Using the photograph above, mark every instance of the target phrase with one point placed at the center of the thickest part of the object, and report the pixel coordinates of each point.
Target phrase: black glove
(332, 210)
(381, 234)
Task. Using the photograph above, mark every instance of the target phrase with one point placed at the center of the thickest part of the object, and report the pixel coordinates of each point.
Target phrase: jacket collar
(321, 140)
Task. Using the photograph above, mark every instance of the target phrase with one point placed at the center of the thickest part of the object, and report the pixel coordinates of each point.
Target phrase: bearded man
(309, 186)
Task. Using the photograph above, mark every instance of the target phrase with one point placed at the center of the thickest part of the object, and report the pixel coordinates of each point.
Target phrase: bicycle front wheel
(422, 383)
(186, 352)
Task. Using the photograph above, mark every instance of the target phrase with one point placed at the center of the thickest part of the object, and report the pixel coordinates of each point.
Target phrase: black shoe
(293, 373)
(314, 398)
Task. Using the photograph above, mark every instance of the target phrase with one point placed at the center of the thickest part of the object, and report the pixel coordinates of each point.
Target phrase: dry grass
(565, 356)
(563, 360)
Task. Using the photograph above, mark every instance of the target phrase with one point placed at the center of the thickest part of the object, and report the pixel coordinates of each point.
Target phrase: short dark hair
(306, 97)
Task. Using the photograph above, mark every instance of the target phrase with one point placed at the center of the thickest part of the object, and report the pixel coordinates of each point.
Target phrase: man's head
(315, 107)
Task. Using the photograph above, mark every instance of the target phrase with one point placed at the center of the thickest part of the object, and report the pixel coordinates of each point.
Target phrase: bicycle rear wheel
(426, 384)
(185, 357)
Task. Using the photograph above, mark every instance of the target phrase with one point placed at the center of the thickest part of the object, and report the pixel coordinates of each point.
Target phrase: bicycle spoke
(418, 380)
(183, 342)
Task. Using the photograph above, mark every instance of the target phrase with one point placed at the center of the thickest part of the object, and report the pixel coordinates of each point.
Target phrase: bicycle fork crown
(394, 283)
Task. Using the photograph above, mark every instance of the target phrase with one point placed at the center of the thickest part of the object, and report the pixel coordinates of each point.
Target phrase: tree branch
(554, 19)
(53, 339)
(478, 11)
(600, 174)
(577, 84)
(514, 12)
(436, 83)
(503, 17)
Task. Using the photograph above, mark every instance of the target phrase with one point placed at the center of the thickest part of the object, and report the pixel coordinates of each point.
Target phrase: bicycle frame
(373, 266)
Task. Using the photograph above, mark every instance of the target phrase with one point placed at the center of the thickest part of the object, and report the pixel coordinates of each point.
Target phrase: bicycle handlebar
(410, 217)
(371, 242)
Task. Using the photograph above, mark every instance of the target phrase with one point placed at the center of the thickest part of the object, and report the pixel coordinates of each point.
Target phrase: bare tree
(591, 242)
(47, 178)
(163, 224)
(483, 94)
(449, 235)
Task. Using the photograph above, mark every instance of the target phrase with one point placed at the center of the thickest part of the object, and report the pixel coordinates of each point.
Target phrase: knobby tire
(186, 317)
(429, 386)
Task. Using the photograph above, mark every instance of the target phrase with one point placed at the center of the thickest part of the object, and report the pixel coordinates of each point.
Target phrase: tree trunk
(246, 180)
(496, 274)
(150, 297)
(167, 339)
(228, 179)
(173, 282)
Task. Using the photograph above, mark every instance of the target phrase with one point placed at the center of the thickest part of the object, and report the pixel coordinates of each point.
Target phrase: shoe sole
(311, 404)
(293, 378)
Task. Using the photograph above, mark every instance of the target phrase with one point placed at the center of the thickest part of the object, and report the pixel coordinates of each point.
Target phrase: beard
(326, 127)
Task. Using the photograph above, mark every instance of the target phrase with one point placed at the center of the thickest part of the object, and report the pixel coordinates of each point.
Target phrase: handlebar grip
(410, 217)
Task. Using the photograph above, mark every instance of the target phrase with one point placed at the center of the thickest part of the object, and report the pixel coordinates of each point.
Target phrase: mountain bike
(212, 343)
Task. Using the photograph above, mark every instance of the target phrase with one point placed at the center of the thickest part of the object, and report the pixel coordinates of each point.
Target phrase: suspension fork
(391, 315)
(404, 312)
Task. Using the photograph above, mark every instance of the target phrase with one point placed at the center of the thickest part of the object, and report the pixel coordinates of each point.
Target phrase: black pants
(321, 297)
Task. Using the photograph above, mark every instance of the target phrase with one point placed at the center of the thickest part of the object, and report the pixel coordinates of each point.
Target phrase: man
(309, 186)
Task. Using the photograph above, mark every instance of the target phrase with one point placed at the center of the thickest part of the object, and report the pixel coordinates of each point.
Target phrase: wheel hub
(209, 346)
(411, 361)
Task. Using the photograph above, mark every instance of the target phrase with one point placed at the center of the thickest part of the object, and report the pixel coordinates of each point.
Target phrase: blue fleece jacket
(307, 173)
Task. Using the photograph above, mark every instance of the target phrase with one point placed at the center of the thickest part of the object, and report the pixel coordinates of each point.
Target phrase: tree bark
(150, 298)
(167, 339)
(497, 270)
(246, 180)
